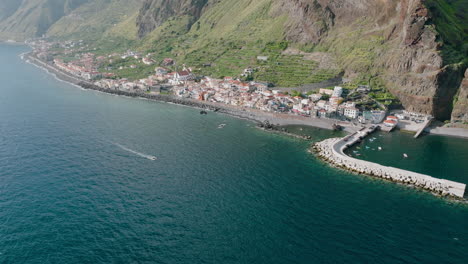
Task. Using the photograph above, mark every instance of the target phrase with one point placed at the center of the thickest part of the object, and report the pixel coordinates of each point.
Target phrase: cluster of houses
(143, 85)
(83, 68)
(334, 106)
(260, 96)
(326, 103)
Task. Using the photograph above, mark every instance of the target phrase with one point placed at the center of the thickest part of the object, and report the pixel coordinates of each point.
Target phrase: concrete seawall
(332, 151)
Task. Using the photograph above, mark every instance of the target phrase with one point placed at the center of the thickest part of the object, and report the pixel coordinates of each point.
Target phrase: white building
(351, 112)
(326, 91)
(181, 77)
(91, 75)
(315, 97)
(148, 61)
(321, 103)
(331, 108)
(322, 113)
(337, 92)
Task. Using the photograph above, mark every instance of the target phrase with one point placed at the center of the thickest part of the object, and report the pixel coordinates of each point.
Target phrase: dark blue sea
(77, 185)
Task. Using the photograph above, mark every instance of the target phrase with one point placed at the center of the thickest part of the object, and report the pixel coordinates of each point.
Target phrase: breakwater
(332, 151)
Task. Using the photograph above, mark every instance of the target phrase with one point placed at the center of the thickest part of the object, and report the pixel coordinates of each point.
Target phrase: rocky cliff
(460, 111)
(409, 54)
(405, 42)
(155, 12)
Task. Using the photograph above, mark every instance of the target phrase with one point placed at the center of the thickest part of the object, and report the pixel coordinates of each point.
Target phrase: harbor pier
(424, 126)
(332, 151)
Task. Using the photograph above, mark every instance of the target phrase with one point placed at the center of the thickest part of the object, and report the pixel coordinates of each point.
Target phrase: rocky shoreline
(260, 118)
(327, 151)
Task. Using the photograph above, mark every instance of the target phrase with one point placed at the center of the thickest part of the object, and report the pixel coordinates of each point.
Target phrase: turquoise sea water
(72, 192)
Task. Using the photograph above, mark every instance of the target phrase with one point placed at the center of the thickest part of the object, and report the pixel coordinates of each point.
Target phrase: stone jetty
(332, 151)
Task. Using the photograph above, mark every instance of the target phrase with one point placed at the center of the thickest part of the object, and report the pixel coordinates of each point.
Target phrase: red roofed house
(181, 77)
(168, 62)
(390, 123)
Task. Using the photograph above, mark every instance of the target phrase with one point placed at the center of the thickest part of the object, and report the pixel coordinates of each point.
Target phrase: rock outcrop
(460, 111)
(409, 56)
(155, 12)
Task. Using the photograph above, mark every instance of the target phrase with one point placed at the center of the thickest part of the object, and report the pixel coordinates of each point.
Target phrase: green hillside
(223, 42)
(92, 20)
(32, 18)
(399, 49)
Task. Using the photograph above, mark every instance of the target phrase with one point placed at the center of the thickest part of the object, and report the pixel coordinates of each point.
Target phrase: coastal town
(335, 103)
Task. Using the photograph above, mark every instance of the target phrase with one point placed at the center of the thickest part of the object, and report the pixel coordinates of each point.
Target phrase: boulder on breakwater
(326, 150)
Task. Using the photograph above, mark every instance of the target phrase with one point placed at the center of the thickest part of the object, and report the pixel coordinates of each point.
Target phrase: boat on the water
(405, 155)
(222, 126)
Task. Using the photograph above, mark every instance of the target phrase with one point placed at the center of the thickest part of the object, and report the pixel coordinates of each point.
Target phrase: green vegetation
(379, 93)
(293, 70)
(229, 37)
(32, 18)
(451, 22)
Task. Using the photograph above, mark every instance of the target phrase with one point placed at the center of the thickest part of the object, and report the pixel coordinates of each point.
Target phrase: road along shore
(255, 115)
(332, 151)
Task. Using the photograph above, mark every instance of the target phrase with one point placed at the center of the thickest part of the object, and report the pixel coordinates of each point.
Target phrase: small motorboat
(405, 155)
(152, 158)
(380, 148)
(222, 126)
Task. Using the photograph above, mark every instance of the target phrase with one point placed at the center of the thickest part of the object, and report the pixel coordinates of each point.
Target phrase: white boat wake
(136, 152)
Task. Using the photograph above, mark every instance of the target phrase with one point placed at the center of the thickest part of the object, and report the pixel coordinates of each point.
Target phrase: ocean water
(437, 156)
(78, 185)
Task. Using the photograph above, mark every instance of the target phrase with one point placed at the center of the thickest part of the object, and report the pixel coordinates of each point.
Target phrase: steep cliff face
(155, 12)
(311, 20)
(460, 111)
(414, 67)
(409, 54)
